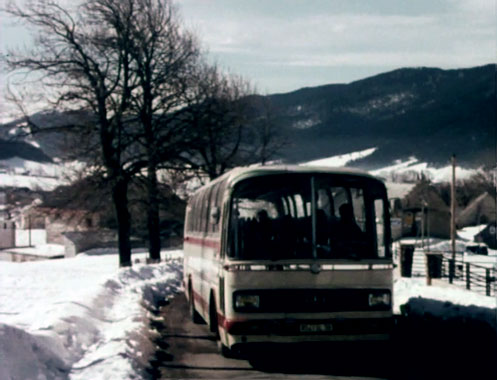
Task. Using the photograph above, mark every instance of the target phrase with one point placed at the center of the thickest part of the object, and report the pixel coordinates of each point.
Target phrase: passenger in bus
(347, 228)
(263, 225)
(264, 236)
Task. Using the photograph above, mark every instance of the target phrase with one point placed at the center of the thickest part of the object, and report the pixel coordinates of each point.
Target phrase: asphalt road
(421, 349)
(188, 350)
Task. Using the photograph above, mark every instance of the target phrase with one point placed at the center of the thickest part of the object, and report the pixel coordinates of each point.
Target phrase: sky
(283, 45)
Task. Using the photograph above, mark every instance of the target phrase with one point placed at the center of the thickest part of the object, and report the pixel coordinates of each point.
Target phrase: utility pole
(453, 208)
(29, 229)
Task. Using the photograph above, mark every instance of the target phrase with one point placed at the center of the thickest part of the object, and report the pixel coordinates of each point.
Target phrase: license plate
(316, 327)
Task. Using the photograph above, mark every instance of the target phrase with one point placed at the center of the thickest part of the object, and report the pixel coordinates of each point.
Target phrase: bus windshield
(308, 216)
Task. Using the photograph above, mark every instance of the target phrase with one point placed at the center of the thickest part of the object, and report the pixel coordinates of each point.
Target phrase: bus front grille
(315, 300)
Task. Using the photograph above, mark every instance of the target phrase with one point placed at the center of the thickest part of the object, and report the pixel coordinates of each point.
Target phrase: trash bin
(406, 255)
(434, 265)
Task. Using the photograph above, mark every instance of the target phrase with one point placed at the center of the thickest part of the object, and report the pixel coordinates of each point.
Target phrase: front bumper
(291, 330)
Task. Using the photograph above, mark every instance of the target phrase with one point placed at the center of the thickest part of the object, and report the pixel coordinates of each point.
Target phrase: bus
(284, 254)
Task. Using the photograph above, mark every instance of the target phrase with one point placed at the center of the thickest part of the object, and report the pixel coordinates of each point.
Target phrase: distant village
(74, 217)
(27, 218)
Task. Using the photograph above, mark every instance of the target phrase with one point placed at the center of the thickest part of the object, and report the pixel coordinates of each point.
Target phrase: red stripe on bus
(204, 242)
(199, 299)
(221, 319)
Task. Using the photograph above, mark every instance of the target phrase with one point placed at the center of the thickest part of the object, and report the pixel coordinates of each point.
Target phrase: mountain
(22, 149)
(428, 113)
(39, 147)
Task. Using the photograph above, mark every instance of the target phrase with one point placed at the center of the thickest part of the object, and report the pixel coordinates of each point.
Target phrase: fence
(479, 277)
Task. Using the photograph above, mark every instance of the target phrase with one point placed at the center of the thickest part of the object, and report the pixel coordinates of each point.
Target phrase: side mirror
(215, 214)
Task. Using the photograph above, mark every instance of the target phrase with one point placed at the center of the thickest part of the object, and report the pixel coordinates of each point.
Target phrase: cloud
(314, 34)
(283, 42)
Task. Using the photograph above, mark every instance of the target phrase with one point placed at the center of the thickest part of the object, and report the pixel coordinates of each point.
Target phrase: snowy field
(85, 318)
(342, 159)
(412, 168)
(400, 171)
(17, 172)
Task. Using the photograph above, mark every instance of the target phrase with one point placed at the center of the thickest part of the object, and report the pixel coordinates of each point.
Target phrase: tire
(225, 351)
(194, 314)
(213, 326)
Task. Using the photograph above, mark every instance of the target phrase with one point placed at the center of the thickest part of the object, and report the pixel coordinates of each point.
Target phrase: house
(80, 241)
(61, 220)
(424, 213)
(30, 217)
(482, 210)
(488, 235)
(396, 192)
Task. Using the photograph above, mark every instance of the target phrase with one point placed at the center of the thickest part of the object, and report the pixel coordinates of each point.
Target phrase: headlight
(246, 301)
(379, 299)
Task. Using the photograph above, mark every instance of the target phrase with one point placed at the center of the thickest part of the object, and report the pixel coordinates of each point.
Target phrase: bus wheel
(225, 351)
(194, 314)
(213, 324)
(214, 327)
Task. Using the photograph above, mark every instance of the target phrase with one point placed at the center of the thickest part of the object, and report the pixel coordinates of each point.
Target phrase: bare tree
(152, 103)
(83, 60)
(216, 110)
(265, 141)
(232, 125)
(164, 59)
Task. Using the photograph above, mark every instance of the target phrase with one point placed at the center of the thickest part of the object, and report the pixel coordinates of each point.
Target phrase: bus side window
(197, 214)
(213, 222)
(192, 217)
(189, 219)
(204, 213)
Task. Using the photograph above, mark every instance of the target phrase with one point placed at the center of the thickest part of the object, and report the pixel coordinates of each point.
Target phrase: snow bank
(81, 317)
(450, 298)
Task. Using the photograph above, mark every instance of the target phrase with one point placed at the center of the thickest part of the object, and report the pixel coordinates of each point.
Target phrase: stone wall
(80, 241)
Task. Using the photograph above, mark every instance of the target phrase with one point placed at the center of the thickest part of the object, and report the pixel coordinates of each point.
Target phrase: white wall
(38, 237)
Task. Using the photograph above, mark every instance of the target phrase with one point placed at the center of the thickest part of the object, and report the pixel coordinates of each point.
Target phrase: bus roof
(240, 173)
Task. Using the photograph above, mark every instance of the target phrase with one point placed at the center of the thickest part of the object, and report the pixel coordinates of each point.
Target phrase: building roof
(424, 195)
(481, 210)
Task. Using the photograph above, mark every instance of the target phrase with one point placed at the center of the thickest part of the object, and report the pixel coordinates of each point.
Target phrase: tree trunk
(153, 215)
(120, 198)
